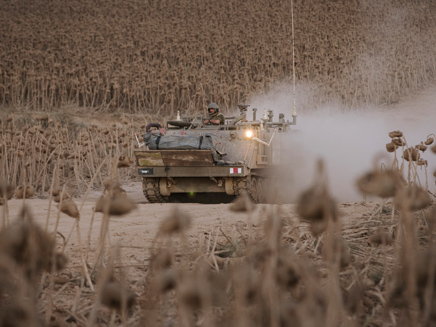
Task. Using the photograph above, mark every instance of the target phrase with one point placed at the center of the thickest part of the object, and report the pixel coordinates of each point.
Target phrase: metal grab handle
(137, 140)
(263, 142)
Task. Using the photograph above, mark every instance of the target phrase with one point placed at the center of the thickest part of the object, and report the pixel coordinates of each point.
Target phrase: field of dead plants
(161, 56)
(79, 245)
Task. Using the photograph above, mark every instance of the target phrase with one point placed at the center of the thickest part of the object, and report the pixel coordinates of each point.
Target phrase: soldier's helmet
(213, 105)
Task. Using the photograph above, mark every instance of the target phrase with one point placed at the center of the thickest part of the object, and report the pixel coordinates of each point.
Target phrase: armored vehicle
(195, 159)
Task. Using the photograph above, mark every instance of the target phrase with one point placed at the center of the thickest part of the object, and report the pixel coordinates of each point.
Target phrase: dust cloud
(349, 142)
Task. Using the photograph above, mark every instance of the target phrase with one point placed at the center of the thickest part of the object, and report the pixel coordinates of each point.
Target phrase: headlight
(249, 134)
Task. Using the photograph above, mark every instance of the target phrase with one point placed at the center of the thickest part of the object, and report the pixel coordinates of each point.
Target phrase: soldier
(153, 133)
(215, 117)
(155, 128)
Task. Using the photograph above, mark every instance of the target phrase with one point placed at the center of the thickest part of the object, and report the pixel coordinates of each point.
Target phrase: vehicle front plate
(145, 171)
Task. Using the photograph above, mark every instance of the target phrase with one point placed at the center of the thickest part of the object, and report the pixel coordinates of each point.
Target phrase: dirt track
(136, 231)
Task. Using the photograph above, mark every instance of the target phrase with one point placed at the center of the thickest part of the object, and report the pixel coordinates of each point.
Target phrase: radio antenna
(294, 114)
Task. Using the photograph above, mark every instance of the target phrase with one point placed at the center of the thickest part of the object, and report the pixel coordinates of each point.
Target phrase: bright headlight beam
(249, 134)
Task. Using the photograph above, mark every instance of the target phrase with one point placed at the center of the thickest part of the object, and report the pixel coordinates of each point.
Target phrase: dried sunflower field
(79, 244)
(163, 56)
(107, 259)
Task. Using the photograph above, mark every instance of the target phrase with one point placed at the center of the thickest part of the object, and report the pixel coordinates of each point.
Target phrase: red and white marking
(235, 170)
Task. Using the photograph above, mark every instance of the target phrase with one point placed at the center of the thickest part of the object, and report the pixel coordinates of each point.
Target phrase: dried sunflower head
(383, 184)
(22, 192)
(176, 222)
(411, 154)
(421, 147)
(398, 142)
(429, 140)
(69, 208)
(318, 208)
(6, 191)
(413, 198)
(391, 147)
(395, 134)
(117, 205)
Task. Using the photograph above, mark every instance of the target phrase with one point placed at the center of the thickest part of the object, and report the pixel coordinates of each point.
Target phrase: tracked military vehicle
(193, 158)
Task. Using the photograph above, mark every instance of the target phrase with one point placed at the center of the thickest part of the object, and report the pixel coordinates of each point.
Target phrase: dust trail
(349, 141)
